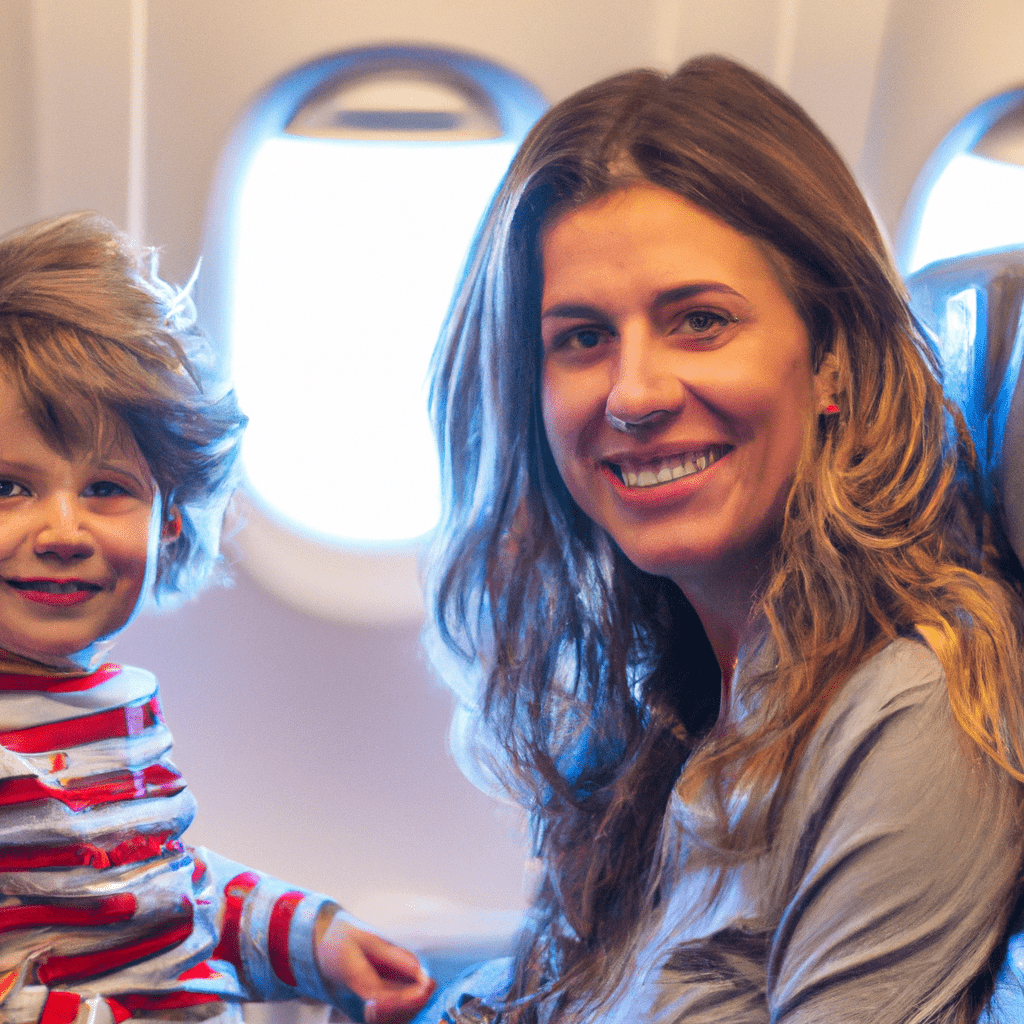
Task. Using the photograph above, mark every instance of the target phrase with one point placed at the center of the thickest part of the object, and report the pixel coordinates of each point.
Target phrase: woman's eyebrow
(578, 310)
(572, 310)
(689, 291)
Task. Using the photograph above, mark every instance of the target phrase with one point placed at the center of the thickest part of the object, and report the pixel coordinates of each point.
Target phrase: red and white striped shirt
(99, 897)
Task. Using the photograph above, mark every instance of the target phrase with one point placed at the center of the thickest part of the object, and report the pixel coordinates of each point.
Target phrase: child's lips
(60, 593)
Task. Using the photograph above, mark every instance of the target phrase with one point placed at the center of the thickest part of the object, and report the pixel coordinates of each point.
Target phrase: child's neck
(15, 663)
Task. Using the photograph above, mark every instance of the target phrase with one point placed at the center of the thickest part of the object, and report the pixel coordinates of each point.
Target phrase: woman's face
(656, 311)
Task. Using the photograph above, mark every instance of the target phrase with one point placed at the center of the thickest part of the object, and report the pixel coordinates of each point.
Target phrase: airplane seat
(972, 305)
(974, 308)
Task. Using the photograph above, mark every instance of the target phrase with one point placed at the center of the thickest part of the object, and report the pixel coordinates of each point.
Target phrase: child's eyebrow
(13, 468)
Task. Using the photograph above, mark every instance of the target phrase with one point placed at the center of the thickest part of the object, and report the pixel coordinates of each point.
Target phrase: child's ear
(171, 529)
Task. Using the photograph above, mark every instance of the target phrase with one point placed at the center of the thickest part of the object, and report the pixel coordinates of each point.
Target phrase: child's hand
(390, 980)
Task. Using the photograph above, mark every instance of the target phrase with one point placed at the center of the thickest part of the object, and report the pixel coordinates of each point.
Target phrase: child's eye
(9, 489)
(104, 489)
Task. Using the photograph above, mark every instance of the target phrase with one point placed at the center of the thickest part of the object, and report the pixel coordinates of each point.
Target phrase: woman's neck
(724, 601)
(725, 634)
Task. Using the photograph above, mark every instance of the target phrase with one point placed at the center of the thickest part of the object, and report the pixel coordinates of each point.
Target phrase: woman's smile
(678, 388)
(633, 472)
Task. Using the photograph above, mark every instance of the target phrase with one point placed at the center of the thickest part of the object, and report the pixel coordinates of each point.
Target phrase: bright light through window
(976, 204)
(346, 254)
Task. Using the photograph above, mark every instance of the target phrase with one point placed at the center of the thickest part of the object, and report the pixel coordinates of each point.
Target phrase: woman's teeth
(672, 468)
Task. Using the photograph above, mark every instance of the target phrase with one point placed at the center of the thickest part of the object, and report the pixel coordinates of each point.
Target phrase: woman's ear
(171, 529)
(826, 385)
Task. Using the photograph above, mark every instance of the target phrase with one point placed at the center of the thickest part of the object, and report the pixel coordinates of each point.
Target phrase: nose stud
(632, 426)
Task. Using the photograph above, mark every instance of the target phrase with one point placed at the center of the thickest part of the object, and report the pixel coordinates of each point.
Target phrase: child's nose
(62, 532)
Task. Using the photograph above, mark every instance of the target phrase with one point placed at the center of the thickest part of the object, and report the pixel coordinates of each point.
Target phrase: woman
(712, 553)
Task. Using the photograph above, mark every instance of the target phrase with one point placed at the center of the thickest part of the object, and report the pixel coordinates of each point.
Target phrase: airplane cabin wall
(941, 58)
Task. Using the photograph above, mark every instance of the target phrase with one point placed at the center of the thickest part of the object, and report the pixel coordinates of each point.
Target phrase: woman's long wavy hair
(591, 683)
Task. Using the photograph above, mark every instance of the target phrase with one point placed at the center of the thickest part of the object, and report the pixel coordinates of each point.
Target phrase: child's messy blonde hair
(87, 329)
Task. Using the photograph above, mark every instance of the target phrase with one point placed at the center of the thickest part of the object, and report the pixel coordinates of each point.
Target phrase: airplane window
(346, 258)
(976, 200)
(338, 229)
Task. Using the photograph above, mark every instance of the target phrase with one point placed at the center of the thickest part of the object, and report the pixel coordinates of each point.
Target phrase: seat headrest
(972, 305)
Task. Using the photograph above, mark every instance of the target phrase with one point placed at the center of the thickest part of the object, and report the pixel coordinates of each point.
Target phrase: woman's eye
(104, 489)
(9, 489)
(582, 339)
(704, 322)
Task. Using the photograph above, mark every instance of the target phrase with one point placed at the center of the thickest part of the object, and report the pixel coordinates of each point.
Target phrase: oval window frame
(317, 575)
(968, 135)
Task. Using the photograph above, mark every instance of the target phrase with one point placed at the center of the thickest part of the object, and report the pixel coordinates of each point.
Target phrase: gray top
(890, 883)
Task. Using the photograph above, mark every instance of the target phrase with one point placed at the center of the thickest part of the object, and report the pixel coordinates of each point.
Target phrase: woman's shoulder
(903, 676)
(892, 719)
(906, 663)
(888, 773)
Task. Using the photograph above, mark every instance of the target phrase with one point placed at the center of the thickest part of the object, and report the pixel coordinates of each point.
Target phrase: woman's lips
(664, 470)
(637, 484)
(59, 593)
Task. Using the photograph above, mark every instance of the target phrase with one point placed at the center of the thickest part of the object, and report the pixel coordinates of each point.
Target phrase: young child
(115, 469)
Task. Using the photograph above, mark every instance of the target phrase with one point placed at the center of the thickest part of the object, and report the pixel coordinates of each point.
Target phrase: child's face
(74, 537)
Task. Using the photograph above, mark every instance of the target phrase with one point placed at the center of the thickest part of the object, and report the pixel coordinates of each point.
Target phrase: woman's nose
(62, 532)
(646, 386)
